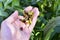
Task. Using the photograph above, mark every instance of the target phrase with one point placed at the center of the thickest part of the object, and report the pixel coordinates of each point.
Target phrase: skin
(14, 29)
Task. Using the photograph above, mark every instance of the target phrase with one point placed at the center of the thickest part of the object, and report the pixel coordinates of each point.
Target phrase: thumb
(12, 17)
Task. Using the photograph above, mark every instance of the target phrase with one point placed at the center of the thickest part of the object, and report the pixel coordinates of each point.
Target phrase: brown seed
(21, 28)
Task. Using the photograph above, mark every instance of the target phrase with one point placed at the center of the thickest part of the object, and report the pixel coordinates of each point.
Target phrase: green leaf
(6, 2)
(0, 4)
(15, 3)
(49, 29)
(47, 37)
(52, 26)
(3, 14)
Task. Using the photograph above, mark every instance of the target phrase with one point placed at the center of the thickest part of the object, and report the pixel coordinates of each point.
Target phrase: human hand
(14, 29)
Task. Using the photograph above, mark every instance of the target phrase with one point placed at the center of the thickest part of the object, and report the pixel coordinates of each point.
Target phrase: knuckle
(36, 8)
(29, 8)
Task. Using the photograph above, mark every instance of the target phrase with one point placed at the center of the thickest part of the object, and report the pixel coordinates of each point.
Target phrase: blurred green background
(48, 22)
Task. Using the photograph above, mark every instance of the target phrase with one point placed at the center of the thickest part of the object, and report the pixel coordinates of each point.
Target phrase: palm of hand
(19, 30)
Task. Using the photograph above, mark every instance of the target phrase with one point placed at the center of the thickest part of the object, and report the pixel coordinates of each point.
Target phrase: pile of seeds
(28, 17)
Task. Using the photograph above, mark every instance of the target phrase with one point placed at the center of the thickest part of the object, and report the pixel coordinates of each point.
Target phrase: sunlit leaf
(15, 3)
(6, 2)
(1, 5)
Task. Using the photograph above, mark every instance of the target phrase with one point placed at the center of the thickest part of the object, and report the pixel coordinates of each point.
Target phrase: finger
(36, 13)
(28, 9)
(21, 17)
(19, 24)
(13, 17)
